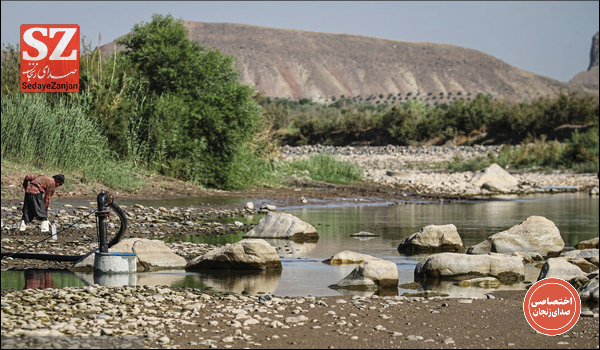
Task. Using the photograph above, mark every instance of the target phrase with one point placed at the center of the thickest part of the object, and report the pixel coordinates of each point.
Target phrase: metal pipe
(53, 257)
(102, 214)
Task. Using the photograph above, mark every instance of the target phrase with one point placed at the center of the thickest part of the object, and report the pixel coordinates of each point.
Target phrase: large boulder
(452, 265)
(586, 265)
(534, 235)
(495, 179)
(283, 225)
(433, 238)
(248, 254)
(560, 268)
(348, 258)
(583, 253)
(589, 244)
(155, 255)
(151, 255)
(370, 275)
(589, 293)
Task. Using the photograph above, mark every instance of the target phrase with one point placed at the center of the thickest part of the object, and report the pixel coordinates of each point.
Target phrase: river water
(575, 214)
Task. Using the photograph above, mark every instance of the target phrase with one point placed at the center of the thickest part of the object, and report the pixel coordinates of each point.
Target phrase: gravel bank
(143, 222)
(398, 167)
(158, 317)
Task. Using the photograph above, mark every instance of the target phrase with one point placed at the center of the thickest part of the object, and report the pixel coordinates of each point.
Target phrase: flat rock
(425, 294)
(410, 285)
(451, 265)
(347, 258)
(589, 244)
(483, 282)
(151, 255)
(560, 268)
(364, 234)
(584, 264)
(583, 253)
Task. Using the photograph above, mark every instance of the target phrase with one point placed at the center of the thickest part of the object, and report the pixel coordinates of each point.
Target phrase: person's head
(59, 179)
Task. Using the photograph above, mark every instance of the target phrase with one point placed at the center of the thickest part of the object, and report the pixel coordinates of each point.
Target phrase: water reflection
(450, 288)
(575, 215)
(290, 249)
(38, 279)
(382, 292)
(251, 282)
(30, 279)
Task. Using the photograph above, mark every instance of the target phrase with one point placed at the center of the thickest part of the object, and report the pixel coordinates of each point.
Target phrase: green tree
(198, 116)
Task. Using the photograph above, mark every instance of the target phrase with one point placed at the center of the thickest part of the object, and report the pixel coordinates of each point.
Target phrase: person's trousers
(34, 207)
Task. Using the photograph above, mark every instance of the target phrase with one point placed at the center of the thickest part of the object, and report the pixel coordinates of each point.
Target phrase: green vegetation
(580, 154)
(60, 136)
(166, 105)
(194, 118)
(416, 121)
(324, 167)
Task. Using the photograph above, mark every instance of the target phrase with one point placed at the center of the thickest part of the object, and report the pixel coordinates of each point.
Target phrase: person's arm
(27, 179)
(48, 198)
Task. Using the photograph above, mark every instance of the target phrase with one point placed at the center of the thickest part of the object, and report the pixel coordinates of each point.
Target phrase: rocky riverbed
(160, 317)
(143, 222)
(416, 169)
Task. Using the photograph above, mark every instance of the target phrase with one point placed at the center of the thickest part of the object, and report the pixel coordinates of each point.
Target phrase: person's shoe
(45, 226)
(23, 226)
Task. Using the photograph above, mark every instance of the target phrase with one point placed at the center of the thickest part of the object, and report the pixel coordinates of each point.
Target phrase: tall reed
(59, 135)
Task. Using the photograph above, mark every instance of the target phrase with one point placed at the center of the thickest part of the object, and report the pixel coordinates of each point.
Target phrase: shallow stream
(575, 214)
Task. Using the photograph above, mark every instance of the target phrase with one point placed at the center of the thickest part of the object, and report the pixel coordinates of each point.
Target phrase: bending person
(39, 190)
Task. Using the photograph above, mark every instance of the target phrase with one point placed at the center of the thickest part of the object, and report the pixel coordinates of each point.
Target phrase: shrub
(325, 167)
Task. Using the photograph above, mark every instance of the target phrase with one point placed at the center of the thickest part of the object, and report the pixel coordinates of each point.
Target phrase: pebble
(587, 313)
(448, 341)
(414, 337)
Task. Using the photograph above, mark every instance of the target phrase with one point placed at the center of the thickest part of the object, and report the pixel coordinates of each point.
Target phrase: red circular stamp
(552, 306)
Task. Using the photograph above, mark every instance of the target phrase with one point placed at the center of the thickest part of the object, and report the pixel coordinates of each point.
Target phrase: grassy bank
(60, 137)
(324, 167)
(579, 154)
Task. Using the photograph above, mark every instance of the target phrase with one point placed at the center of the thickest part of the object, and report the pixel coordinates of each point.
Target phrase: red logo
(552, 306)
(49, 58)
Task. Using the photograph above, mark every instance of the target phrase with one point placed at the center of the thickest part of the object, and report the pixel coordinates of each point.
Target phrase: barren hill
(297, 64)
(589, 79)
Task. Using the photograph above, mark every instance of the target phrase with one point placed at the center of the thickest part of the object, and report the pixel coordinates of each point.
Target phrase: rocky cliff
(594, 52)
(589, 79)
(298, 64)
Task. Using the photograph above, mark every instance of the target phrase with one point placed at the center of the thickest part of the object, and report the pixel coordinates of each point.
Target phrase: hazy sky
(548, 38)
